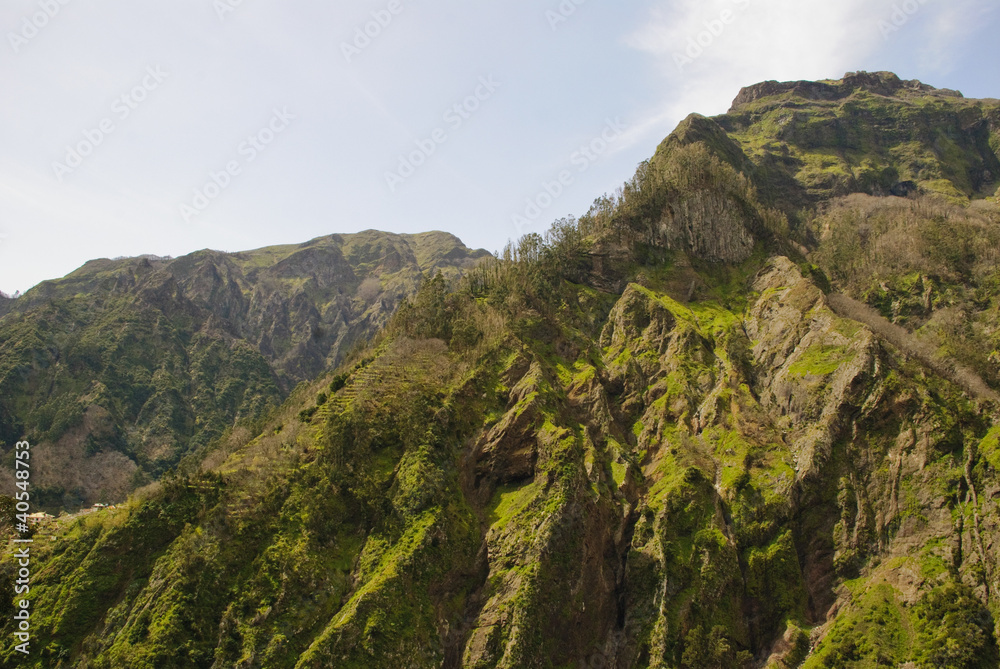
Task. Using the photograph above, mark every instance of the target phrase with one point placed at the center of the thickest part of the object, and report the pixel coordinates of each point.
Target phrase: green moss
(935, 559)
(989, 448)
(947, 189)
(848, 328)
(773, 579)
(509, 501)
(618, 472)
(875, 632)
(584, 374)
(821, 360)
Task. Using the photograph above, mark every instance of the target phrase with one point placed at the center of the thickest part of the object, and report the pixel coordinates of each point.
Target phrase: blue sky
(145, 127)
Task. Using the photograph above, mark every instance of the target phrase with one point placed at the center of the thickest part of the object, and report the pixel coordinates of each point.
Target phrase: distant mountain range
(123, 366)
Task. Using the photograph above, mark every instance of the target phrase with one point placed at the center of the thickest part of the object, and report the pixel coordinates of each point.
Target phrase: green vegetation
(876, 632)
(127, 366)
(821, 360)
(955, 629)
(927, 266)
(948, 627)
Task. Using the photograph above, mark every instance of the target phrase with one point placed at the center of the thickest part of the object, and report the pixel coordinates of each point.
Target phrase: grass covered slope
(869, 132)
(122, 367)
(644, 440)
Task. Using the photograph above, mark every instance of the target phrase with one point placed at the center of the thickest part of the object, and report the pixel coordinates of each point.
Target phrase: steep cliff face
(885, 84)
(869, 133)
(655, 438)
(123, 366)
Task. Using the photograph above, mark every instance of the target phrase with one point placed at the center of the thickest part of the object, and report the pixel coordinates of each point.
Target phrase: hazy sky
(131, 127)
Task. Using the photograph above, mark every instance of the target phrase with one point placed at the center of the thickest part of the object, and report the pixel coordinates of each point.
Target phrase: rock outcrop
(877, 83)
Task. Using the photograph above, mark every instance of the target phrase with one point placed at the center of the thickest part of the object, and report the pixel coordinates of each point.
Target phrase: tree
(955, 629)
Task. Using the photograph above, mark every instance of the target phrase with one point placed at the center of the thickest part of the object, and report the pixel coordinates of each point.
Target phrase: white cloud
(708, 50)
(942, 26)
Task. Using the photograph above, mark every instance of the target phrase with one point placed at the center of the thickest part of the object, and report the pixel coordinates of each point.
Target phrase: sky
(132, 127)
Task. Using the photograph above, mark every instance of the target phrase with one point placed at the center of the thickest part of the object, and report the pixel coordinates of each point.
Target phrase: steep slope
(646, 439)
(123, 366)
(870, 133)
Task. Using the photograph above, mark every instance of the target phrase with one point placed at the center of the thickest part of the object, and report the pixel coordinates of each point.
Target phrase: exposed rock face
(689, 489)
(709, 226)
(878, 83)
(869, 133)
(766, 402)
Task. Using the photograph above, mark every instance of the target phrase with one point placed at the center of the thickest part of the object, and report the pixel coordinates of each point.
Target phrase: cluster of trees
(924, 264)
(867, 240)
(649, 202)
(530, 270)
(639, 222)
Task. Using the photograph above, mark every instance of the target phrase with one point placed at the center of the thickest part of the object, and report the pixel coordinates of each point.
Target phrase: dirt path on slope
(965, 378)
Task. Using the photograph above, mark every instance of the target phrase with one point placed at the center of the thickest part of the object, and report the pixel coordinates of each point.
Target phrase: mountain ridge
(165, 355)
(880, 83)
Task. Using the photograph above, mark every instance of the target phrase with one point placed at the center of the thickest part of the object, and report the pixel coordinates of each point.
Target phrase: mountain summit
(885, 84)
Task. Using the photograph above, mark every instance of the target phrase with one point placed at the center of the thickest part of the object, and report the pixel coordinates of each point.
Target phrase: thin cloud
(708, 50)
(945, 25)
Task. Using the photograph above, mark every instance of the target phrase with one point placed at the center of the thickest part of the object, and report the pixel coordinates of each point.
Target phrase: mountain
(869, 132)
(123, 366)
(718, 421)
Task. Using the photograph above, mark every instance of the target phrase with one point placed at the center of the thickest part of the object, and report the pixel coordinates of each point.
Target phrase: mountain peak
(878, 83)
